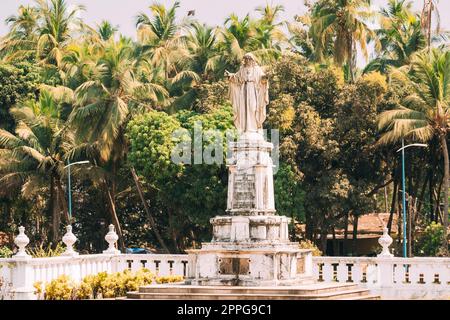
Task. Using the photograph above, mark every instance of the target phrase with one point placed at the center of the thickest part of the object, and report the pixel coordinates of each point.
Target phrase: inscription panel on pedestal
(301, 265)
(229, 266)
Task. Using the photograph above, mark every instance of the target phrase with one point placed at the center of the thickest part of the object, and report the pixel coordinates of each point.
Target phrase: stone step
(299, 290)
(316, 291)
(367, 297)
(347, 294)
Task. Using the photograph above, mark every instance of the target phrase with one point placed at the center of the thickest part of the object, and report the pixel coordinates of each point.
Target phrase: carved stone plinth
(250, 245)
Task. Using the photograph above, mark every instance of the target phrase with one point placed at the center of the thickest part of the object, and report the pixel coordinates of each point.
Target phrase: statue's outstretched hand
(228, 73)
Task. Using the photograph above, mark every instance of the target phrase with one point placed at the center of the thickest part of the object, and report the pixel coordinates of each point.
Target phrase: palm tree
(268, 30)
(55, 30)
(426, 19)
(106, 30)
(102, 110)
(425, 113)
(33, 157)
(399, 37)
(342, 22)
(44, 30)
(201, 42)
(159, 37)
(22, 36)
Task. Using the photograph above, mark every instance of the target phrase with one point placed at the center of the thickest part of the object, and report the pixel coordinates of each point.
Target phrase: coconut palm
(106, 30)
(44, 30)
(33, 157)
(22, 36)
(400, 36)
(268, 30)
(56, 29)
(343, 22)
(425, 113)
(429, 11)
(201, 42)
(102, 110)
(159, 38)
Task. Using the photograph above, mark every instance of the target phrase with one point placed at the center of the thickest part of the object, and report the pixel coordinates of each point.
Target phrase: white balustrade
(388, 276)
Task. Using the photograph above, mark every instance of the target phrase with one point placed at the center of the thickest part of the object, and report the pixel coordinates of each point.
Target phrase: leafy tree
(429, 243)
(18, 81)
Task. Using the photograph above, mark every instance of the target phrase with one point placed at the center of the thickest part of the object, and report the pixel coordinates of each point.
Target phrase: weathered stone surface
(250, 246)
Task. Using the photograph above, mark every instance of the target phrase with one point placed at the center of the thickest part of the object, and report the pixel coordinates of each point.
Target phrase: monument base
(250, 251)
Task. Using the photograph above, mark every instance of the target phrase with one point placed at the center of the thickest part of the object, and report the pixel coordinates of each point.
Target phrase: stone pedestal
(250, 245)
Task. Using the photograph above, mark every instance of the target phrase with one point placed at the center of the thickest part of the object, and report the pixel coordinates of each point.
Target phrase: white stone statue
(249, 95)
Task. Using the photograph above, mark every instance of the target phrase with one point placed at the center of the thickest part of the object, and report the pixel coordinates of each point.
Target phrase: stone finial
(69, 240)
(21, 241)
(111, 237)
(385, 241)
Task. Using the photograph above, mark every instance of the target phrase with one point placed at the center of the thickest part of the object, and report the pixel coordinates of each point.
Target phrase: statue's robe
(249, 96)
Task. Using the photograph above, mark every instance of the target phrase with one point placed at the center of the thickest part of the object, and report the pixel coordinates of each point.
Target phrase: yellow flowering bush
(101, 285)
(307, 244)
(169, 279)
(62, 288)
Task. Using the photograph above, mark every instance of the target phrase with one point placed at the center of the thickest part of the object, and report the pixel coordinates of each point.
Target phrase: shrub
(307, 244)
(62, 288)
(430, 241)
(101, 285)
(169, 279)
(5, 252)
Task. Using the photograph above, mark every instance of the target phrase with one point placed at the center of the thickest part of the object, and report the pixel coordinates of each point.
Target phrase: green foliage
(18, 81)
(5, 252)
(189, 193)
(429, 243)
(45, 252)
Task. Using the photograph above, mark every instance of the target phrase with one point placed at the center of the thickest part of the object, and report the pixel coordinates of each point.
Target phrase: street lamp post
(69, 185)
(402, 149)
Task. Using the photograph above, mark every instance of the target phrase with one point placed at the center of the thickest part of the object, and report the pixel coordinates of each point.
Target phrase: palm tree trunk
(62, 200)
(147, 210)
(446, 177)
(114, 217)
(393, 204)
(55, 221)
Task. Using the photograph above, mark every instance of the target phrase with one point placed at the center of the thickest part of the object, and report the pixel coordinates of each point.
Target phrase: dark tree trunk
(438, 203)
(345, 243)
(323, 240)
(446, 177)
(173, 233)
(355, 236)
(114, 217)
(62, 200)
(54, 211)
(147, 211)
(393, 205)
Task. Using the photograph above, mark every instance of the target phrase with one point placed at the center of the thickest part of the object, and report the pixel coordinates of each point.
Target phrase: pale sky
(212, 12)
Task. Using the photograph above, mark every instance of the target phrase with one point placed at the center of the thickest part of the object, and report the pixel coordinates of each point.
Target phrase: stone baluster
(21, 241)
(22, 273)
(385, 241)
(111, 237)
(69, 240)
(385, 266)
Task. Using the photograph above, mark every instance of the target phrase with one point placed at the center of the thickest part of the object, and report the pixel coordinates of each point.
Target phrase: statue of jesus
(249, 95)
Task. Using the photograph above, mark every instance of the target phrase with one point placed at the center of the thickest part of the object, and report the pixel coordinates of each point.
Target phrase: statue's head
(249, 60)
